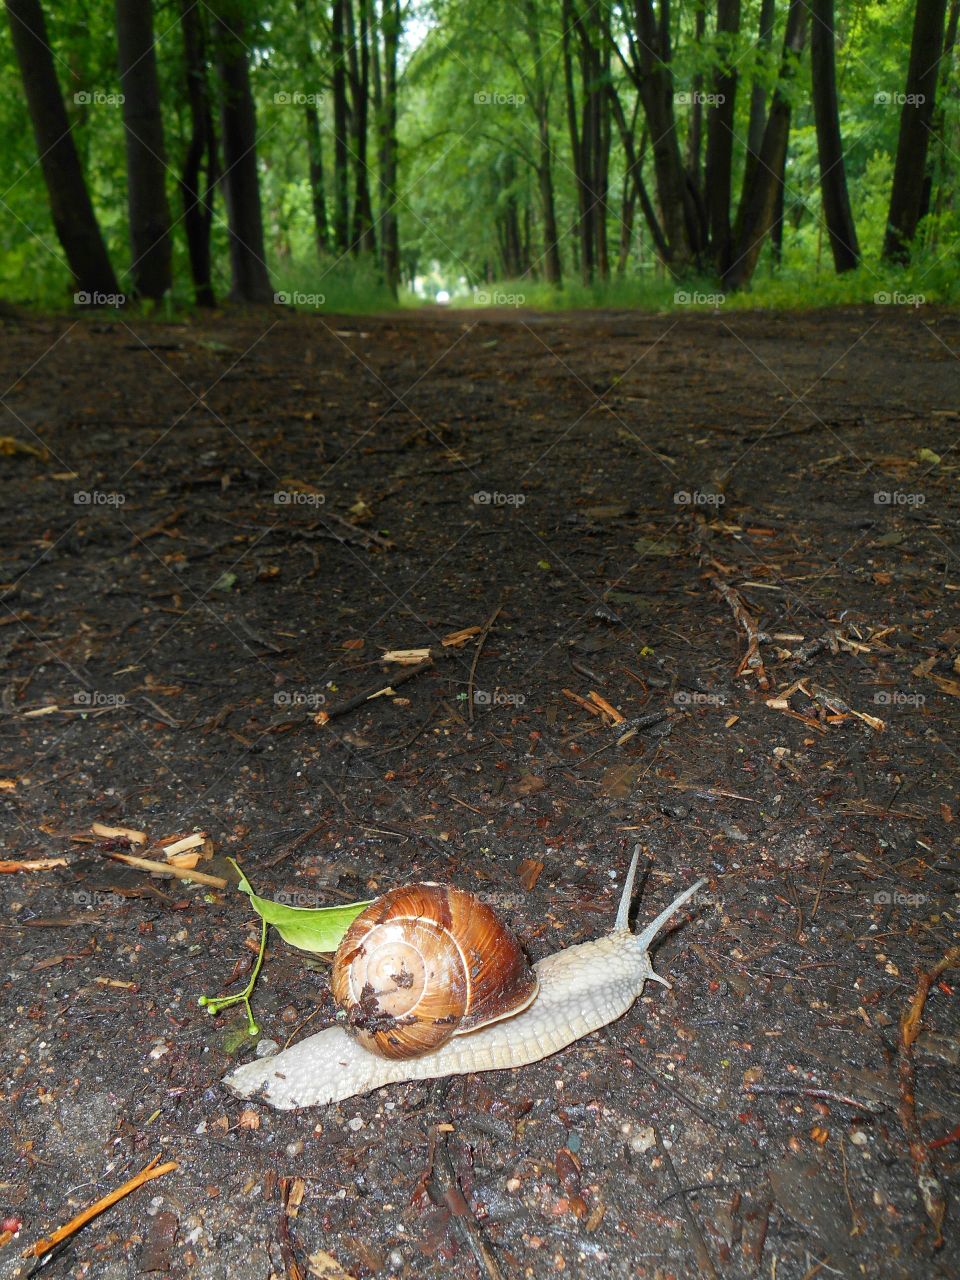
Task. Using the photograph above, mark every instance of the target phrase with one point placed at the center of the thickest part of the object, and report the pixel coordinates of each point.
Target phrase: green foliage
(479, 80)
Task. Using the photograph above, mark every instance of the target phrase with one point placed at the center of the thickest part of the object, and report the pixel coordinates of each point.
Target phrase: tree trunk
(250, 279)
(758, 94)
(389, 235)
(341, 195)
(149, 212)
(695, 131)
(938, 124)
(916, 114)
(833, 176)
(73, 217)
(655, 86)
(758, 202)
(577, 143)
(196, 192)
(311, 120)
(552, 268)
(358, 63)
(635, 173)
(720, 124)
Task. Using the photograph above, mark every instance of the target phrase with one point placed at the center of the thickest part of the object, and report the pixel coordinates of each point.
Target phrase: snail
(522, 1015)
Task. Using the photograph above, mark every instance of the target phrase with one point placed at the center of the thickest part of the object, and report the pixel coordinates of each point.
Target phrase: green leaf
(309, 928)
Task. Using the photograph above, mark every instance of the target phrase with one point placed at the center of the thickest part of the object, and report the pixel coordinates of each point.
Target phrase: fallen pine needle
(31, 864)
(153, 1170)
(168, 869)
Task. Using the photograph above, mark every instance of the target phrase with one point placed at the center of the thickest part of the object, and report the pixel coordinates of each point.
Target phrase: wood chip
(119, 833)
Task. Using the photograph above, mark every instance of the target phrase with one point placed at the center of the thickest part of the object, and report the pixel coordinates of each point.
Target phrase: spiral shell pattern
(426, 962)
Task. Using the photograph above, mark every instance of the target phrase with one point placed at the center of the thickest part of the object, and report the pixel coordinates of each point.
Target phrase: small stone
(294, 1149)
(643, 1140)
(265, 1048)
(356, 1124)
(858, 1138)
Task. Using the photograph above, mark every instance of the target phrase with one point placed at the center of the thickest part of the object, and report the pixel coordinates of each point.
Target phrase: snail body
(578, 990)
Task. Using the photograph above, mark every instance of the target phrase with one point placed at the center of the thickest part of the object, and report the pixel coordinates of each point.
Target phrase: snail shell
(426, 962)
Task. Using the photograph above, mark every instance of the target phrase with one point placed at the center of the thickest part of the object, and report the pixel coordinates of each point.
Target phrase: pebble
(265, 1048)
(356, 1124)
(643, 1140)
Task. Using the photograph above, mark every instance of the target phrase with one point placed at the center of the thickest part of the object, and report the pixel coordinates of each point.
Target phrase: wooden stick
(931, 1188)
(378, 691)
(31, 864)
(481, 640)
(167, 869)
(700, 1251)
(153, 1170)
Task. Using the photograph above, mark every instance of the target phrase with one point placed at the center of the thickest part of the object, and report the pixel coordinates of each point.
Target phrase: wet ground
(220, 530)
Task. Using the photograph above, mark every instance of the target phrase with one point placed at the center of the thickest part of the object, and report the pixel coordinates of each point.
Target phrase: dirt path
(234, 520)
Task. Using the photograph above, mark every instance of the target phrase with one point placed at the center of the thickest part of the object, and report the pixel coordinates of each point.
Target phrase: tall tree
(758, 90)
(311, 118)
(73, 217)
(833, 173)
(650, 69)
(916, 114)
(720, 136)
(390, 25)
(341, 168)
(540, 100)
(199, 172)
(248, 267)
(362, 238)
(758, 202)
(149, 212)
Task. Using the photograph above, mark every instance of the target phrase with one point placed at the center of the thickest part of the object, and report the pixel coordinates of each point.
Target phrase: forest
(374, 151)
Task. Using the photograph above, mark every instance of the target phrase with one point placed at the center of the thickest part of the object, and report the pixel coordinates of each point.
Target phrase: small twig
(827, 1095)
(481, 640)
(676, 1093)
(168, 869)
(444, 1190)
(931, 1189)
(378, 690)
(153, 1170)
(699, 1245)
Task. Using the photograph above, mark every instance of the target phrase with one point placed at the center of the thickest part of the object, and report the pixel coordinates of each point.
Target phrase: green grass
(787, 290)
